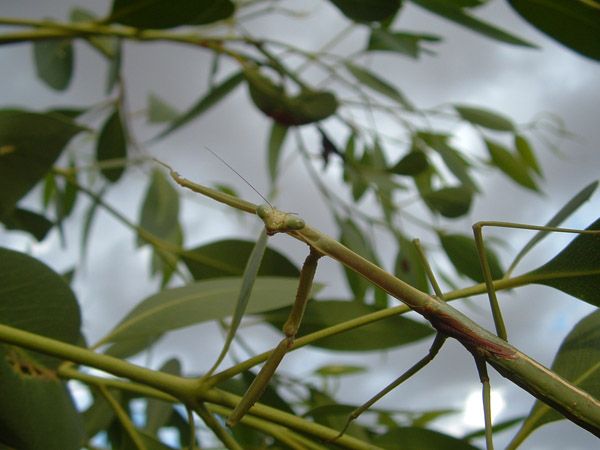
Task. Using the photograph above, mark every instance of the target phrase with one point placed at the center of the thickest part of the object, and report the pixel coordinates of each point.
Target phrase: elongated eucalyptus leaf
(211, 98)
(307, 107)
(199, 302)
(511, 164)
(160, 111)
(577, 360)
(54, 62)
(29, 144)
(485, 118)
(35, 402)
(368, 10)
(31, 222)
(384, 334)
(228, 257)
(400, 42)
(450, 11)
(570, 207)
(576, 269)
(462, 252)
(450, 202)
(169, 13)
(339, 370)
(414, 438)
(276, 139)
(376, 83)
(352, 237)
(112, 144)
(160, 208)
(412, 163)
(526, 152)
(248, 279)
(408, 266)
(575, 24)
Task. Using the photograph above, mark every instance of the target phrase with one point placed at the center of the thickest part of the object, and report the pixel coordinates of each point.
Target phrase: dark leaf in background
(376, 83)
(54, 62)
(575, 24)
(462, 252)
(411, 164)
(368, 10)
(112, 144)
(409, 44)
(29, 144)
(169, 13)
(31, 222)
(511, 164)
(276, 140)
(450, 202)
(485, 118)
(414, 438)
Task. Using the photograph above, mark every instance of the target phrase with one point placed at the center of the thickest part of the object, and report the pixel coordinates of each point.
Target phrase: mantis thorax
(278, 221)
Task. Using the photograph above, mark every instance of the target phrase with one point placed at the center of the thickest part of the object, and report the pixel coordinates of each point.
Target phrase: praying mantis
(485, 346)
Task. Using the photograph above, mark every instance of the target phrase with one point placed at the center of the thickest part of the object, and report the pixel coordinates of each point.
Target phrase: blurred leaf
(158, 412)
(199, 302)
(160, 111)
(412, 163)
(383, 334)
(374, 82)
(99, 415)
(112, 144)
(511, 165)
(35, 403)
(570, 207)
(54, 62)
(496, 428)
(104, 45)
(214, 96)
(169, 13)
(368, 10)
(88, 220)
(276, 139)
(449, 11)
(526, 152)
(227, 258)
(450, 202)
(409, 267)
(575, 24)
(160, 208)
(413, 438)
(307, 107)
(31, 222)
(576, 361)
(484, 118)
(338, 370)
(114, 65)
(352, 237)
(462, 252)
(576, 269)
(29, 144)
(399, 42)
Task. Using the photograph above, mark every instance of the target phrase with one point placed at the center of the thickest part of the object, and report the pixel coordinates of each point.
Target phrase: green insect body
(278, 221)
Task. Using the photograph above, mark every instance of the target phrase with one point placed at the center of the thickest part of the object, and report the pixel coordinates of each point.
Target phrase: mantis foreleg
(290, 328)
(487, 404)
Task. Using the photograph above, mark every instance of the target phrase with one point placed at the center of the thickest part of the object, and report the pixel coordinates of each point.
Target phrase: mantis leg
(487, 404)
(433, 351)
(290, 328)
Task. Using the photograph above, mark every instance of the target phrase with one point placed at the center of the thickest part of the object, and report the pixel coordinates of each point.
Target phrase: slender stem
(227, 439)
(126, 423)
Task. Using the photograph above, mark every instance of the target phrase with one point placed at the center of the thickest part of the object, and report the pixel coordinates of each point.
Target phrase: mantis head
(278, 221)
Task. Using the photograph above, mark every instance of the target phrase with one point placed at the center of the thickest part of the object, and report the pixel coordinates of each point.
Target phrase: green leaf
(570, 207)
(526, 153)
(462, 252)
(451, 12)
(31, 222)
(112, 144)
(339, 370)
(577, 360)
(485, 118)
(35, 403)
(227, 258)
(412, 163)
(384, 334)
(352, 237)
(450, 202)
(158, 412)
(214, 96)
(248, 279)
(576, 269)
(414, 438)
(368, 10)
(575, 24)
(409, 267)
(199, 302)
(54, 62)
(160, 111)
(160, 208)
(169, 13)
(29, 144)
(510, 164)
(374, 82)
(307, 107)
(399, 42)
(276, 139)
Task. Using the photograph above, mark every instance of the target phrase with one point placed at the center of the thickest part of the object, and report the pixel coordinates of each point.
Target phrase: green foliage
(421, 175)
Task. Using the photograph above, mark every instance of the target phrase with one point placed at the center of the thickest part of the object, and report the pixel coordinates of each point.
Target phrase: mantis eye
(263, 211)
(294, 223)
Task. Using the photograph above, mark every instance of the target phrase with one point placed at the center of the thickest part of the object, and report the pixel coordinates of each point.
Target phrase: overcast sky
(468, 68)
